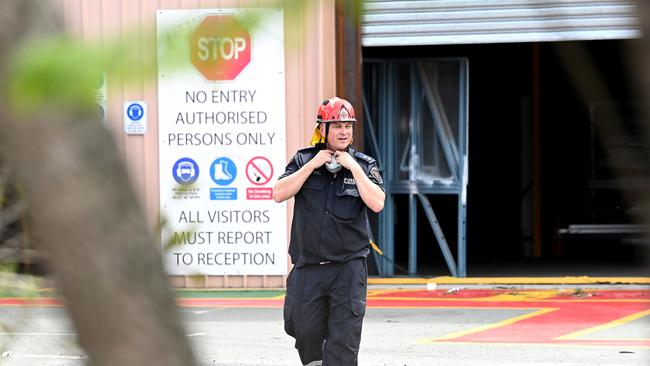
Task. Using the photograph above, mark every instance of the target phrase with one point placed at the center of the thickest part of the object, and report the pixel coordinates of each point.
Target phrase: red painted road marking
(551, 320)
(21, 301)
(554, 318)
(563, 319)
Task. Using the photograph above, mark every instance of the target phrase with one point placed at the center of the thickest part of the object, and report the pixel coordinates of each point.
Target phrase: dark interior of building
(577, 100)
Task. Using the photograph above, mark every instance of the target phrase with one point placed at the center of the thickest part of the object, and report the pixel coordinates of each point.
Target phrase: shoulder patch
(375, 173)
(364, 157)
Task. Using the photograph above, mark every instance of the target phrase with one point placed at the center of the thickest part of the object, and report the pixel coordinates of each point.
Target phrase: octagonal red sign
(220, 47)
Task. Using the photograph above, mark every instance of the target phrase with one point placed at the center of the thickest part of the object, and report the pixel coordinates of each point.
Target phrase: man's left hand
(345, 159)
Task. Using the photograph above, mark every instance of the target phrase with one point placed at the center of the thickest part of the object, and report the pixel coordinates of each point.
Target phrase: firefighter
(333, 185)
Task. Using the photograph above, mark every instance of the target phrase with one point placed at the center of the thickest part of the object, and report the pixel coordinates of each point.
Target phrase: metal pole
(414, 124)
(387, 138)
(437, 231)
(463, 143)
(462, 224)
(413, 234)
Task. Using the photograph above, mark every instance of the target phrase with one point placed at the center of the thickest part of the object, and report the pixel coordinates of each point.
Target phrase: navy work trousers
(324, 310)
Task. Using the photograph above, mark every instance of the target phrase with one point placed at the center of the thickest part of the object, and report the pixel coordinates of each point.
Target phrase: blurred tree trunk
(87, 220)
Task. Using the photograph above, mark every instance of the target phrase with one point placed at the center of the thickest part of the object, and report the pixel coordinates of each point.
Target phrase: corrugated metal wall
(310, 77)
(437, 22)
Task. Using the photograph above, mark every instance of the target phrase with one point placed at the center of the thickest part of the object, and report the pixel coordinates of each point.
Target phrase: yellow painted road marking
(552, 345)
(509, 280)
(612, 324)
(495, 299)
(509, 296)
(386, 291)
(489, 326)
(521, 296)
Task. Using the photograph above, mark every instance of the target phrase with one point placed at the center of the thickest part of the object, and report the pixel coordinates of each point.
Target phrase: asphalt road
(391, 336)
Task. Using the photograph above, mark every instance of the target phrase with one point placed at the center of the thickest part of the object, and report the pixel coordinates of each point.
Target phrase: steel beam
(440, 236)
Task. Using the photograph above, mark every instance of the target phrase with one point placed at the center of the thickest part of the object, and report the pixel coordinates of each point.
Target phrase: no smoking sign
(259, 170)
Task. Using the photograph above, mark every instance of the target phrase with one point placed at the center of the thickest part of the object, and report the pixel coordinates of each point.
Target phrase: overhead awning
(438, 22)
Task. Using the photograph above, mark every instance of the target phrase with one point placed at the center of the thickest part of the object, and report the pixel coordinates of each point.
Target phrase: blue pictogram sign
(185, 171)
(135, 111)
(223, 171)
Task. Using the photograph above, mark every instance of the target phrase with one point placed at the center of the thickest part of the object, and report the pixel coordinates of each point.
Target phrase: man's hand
(370, 193)
(323, 156)
(346, 160)
(287, 187)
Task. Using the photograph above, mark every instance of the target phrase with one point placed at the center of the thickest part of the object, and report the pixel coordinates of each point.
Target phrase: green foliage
(62, 72)
(54, 72)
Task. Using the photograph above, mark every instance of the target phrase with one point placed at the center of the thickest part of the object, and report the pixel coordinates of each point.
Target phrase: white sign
(135, 118)
(221, 111)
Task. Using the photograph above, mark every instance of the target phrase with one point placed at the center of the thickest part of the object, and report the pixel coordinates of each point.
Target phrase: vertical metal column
(387, 136)
(463, 133)
(413, 208)
(413, 234)
(462, 223)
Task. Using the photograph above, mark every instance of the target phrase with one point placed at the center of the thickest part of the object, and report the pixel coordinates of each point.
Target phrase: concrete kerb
(542, 283)
(496, 283)
(446, 283)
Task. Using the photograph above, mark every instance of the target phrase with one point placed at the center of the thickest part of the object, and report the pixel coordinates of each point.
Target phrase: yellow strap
(376, 248)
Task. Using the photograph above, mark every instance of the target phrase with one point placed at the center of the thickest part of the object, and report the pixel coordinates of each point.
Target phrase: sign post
(222, 141)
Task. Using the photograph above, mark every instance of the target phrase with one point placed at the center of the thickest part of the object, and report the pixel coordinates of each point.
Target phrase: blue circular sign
(223, 171)
(185, 171)
(135, 111)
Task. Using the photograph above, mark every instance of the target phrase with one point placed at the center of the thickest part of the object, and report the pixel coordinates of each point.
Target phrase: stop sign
(220, 47)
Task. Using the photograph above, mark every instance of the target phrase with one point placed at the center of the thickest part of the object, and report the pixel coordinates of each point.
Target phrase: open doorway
(521, 94)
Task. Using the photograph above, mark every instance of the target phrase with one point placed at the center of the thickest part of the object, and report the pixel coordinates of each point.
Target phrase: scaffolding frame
(424, 92)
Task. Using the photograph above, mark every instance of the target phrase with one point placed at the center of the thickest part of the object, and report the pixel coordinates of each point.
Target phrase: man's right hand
(288, 186)
(323, 156)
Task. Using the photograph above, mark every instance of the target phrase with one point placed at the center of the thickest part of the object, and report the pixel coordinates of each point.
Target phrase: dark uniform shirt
(329, 217)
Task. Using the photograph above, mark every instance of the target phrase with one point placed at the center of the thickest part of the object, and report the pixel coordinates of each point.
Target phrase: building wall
(310, 77)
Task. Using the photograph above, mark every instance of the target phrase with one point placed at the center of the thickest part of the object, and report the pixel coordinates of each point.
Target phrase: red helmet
(335, 110)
